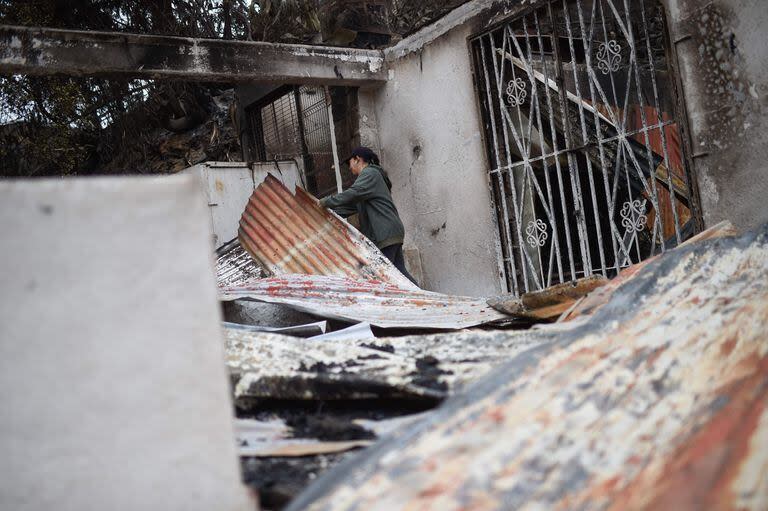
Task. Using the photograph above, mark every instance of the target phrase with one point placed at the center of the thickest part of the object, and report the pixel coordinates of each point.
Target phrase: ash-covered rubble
(331, 397)
(334, 398)
(307, 402)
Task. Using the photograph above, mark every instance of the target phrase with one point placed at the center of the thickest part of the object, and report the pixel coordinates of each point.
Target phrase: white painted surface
(431, 145)
(114, 389)
(429, 103)
(229, 185)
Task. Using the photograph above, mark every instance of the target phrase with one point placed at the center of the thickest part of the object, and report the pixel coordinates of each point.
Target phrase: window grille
(293, 124)
(587, 169)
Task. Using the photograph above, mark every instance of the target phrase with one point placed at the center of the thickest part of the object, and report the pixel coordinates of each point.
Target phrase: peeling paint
(657, 401)
(720, 47)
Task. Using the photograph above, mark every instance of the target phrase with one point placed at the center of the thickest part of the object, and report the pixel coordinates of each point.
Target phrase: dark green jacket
(370, 198)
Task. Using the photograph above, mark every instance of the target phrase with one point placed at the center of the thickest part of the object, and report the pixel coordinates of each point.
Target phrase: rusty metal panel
(290, 234)
(378, 303)
(656, 401)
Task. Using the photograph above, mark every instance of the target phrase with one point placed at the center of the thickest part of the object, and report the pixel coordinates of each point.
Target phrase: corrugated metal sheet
(235, 266)
(290, 234)
(659, 400)
(371, 301)
(273, 366)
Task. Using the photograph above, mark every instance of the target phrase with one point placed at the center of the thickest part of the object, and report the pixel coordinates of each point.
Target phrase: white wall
(229, 185)
(429, 133)
(430, 137)
(112, 378)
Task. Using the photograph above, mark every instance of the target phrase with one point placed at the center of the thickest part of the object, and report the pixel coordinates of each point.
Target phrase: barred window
(587, 169)
(292, 124)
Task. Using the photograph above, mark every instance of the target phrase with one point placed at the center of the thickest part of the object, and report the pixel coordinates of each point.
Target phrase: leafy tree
(59, 125)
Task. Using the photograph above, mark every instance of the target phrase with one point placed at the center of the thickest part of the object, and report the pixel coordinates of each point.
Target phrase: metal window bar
(295, 125)
(587, 171)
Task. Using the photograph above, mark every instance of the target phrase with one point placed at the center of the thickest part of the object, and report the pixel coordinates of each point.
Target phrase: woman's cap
(366, 153)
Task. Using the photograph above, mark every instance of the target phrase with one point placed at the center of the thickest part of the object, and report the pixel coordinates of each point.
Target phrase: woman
(371, 198)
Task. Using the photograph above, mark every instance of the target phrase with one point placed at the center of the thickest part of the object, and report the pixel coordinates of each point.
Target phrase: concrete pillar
(721, 47)
(114, 389)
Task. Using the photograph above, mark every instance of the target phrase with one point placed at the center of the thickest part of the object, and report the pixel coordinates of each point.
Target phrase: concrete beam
(44, 51)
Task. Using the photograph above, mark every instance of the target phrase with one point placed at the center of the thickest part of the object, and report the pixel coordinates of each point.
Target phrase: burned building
(573, 157)
(564, 130)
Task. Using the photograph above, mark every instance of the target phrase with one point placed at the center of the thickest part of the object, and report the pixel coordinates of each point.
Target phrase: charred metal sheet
(272, 366)
(276, 367)
(234, 265)
(292, 234)
(273, 438)
(388, 426)
(371, 301)
(355, 332)
(657, 401)
(310, 330)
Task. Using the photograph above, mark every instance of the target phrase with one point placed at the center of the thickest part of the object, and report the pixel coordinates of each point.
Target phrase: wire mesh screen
(317, 135)
(295, 124)
(587, 168)
(280, 129)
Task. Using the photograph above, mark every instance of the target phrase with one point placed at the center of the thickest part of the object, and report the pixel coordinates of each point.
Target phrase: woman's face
(356, 165)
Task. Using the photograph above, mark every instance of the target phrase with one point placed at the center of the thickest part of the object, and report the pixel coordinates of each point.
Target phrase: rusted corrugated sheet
(234, 265)
(292, 234)
(659, 400)
(371, 301)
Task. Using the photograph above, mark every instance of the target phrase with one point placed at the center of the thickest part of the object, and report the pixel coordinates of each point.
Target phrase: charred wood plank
(548, 303)
(563, 293)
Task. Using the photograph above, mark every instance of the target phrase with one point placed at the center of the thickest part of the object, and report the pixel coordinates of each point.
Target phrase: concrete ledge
(44, 51)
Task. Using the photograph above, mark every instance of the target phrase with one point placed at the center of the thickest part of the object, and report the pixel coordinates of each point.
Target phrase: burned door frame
(576, 140)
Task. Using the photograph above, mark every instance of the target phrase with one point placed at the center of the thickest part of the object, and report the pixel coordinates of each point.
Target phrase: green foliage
(74, 125)
(284, 20)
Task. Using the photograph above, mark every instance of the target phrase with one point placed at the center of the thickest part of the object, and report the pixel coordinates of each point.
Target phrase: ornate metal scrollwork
(609, 56)
(536, 233)
(633, 216)
(516, 92)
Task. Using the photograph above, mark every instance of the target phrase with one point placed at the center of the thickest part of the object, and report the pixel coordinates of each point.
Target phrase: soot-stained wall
(721, 48)
(430, 139)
